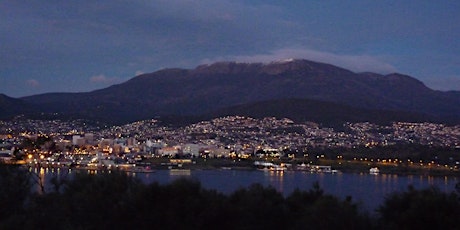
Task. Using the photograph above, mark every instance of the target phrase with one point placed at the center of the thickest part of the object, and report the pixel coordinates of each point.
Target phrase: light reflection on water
(367, 189)
(275, 179)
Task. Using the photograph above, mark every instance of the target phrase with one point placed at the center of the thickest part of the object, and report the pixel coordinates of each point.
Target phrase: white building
(192, 149)
(78, 140)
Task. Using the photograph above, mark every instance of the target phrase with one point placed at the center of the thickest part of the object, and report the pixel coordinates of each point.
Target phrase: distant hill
(326, 113)
(215, 87)
(329, 114)
(10, 107)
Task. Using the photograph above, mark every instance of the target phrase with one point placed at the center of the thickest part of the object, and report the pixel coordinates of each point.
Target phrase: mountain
(214, 87)
(10, 107)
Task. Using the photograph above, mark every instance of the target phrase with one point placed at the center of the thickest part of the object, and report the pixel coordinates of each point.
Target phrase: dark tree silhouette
(15, 188)
(421, 209)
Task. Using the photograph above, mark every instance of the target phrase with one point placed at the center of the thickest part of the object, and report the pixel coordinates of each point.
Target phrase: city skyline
(79, 47)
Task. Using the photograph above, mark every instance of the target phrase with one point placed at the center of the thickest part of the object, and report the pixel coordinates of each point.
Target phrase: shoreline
(348, 170)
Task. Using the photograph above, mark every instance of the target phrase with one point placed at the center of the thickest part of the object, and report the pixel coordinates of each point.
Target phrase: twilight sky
(79, 46)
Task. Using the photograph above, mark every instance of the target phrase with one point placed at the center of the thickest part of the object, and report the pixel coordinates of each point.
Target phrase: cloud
(33, 83)
(357, 63)
(102, 79)
(139, 72)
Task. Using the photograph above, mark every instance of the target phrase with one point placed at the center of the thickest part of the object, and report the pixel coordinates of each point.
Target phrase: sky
(80, 46)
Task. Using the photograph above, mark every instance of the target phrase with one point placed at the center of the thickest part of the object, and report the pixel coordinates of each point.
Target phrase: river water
(367, 189)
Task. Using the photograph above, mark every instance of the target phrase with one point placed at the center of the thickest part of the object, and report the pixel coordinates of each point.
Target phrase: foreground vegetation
(118, 201)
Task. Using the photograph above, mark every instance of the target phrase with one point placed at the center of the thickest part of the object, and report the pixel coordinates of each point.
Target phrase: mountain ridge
(211, 87)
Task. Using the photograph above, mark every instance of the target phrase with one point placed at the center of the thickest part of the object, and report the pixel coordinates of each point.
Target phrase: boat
(268, 166)
(374, 170)
(277, 168)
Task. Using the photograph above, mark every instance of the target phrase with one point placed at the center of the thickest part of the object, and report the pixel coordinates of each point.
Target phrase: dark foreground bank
(118, 201)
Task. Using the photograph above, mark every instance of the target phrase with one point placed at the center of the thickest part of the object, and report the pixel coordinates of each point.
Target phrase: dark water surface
(369, 190)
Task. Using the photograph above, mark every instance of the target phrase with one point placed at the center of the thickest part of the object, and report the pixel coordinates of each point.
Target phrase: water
(369, 190)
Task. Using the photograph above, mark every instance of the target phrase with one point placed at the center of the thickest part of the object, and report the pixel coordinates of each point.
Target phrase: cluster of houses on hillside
(233, 136)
